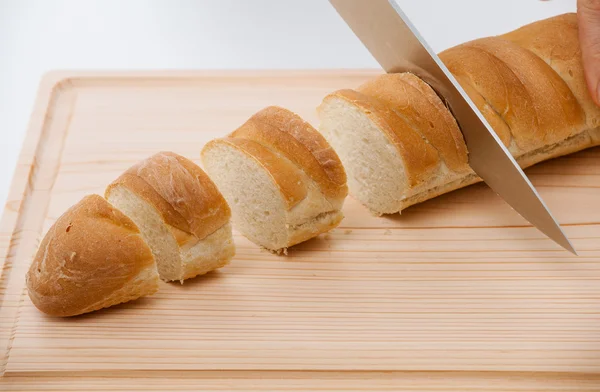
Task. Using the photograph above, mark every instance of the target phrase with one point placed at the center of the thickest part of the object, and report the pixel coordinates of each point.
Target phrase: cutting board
(456, 293)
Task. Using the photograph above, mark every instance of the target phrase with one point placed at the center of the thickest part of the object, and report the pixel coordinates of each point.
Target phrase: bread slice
(387, 160)
(422, 109)
(283, 181)
(92, 257)
(181, 215)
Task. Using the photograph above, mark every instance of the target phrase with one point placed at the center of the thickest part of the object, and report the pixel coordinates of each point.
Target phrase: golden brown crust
(569, 146)
(291, 136)
(420, 106)
(419, 157)
(92, 251)
(498, 124)
(491, 78)
(533, 100)
(556, 41)
(285, 174)
(559, 114)
(184, 195)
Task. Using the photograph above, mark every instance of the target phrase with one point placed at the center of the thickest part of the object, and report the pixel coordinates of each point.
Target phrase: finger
(588, 14)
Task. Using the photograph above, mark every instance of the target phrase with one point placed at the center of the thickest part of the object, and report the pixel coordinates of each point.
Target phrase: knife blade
(397, 45)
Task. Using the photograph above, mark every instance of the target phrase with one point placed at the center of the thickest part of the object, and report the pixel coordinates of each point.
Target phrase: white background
(41, 35)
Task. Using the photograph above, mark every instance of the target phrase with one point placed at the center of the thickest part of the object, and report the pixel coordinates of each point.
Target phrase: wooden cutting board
(456, 293)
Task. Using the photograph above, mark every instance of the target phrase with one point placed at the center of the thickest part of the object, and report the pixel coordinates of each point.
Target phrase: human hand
(588, 14)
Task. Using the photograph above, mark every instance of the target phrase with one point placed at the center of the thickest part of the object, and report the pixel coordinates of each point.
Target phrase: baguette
(181, 214)
(283, 181)
(529, 85)
(92, 257)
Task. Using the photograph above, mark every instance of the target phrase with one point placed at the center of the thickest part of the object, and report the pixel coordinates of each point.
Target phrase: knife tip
(568, 246)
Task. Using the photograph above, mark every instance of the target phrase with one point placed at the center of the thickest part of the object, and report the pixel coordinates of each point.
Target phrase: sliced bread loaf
(283, 181)
(385, 152)
(180, 212)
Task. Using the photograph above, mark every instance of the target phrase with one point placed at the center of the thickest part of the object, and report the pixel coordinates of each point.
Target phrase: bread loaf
(281, 178)
(401, 146)
(181, 214)
(164, 217)
(91, 258)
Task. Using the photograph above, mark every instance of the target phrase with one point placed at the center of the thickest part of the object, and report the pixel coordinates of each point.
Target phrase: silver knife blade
(397, 45)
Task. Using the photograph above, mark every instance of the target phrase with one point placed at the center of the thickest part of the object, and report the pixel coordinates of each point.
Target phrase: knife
(397, 45)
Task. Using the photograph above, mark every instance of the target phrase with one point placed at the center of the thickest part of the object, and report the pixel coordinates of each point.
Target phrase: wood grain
(458, 292)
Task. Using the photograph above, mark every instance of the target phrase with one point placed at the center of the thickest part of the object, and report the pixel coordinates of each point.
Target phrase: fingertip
(588, 15)
(591, 68)
(595, 93)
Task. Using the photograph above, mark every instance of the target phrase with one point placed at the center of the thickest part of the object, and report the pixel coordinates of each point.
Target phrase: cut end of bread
(180, 213)
(376, 174)
(179, 255)
(388, 163)
(155, 232)
(251, 182)
(257, 204)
